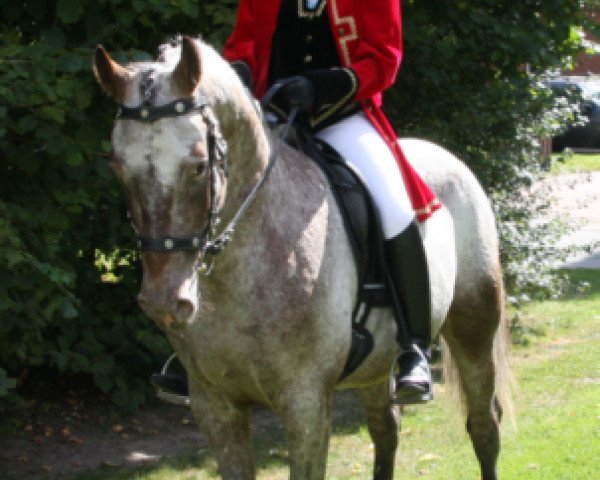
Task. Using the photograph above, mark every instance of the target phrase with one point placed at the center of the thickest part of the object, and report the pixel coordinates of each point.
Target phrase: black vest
(302, 40)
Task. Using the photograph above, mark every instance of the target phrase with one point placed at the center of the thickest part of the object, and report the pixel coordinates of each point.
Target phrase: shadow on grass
(270, 448)
(268, 441)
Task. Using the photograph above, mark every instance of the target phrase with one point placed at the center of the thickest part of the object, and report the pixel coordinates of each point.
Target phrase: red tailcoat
(368, 36)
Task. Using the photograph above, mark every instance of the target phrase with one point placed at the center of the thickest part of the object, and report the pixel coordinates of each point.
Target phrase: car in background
(587, 94)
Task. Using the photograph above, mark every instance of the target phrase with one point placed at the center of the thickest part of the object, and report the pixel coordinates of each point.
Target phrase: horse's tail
(505, 383)
(505, 380)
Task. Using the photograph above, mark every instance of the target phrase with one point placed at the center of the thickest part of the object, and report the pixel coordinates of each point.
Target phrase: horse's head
(169, 155)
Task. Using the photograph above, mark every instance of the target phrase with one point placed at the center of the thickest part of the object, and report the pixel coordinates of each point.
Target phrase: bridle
(217, 160)
(207, 241)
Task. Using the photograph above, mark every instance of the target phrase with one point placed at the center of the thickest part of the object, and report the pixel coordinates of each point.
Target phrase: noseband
(206, 242)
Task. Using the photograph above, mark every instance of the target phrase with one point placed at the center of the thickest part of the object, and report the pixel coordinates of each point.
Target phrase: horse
(267, 320)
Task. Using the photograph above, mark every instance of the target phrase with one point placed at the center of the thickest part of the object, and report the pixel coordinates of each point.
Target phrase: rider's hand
(297, 92)
(243, 72)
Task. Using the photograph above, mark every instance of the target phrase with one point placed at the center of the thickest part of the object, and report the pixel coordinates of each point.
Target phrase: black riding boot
(407, 264)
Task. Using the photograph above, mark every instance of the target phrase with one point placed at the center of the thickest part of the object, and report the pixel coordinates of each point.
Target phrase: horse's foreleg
(383, 420)
(227, 428)
(306, 415)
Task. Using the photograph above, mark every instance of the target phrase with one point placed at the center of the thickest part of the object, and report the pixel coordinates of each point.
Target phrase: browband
(150, 114)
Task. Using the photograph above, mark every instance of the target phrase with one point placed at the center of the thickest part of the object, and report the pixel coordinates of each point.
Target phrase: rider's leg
(406, 259)
(359, 143)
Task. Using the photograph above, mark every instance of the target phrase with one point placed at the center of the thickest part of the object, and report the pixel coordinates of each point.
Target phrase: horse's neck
(288, 218)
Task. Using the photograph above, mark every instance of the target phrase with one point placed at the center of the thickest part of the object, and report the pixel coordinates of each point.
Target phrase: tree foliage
(471, 80)
(68, 277)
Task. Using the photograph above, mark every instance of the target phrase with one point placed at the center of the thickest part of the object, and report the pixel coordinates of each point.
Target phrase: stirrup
(416, 392)
(413, 398)
(169, 397)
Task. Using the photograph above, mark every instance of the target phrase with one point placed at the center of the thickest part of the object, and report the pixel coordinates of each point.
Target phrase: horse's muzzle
(177, 312)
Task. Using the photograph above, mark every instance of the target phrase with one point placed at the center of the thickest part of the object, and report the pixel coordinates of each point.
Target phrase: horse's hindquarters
(440, 247)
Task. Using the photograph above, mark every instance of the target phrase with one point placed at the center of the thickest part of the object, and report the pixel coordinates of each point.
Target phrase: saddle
(363, 228)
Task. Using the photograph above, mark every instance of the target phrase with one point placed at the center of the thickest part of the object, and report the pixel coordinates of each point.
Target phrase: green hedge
(68, 278)
(67, 296)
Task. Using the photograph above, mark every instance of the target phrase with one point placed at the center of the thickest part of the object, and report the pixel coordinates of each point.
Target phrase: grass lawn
(558, 415)
(578, 162)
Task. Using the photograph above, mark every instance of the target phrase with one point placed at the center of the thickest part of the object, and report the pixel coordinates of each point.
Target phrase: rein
(220, 242)
(207, 242)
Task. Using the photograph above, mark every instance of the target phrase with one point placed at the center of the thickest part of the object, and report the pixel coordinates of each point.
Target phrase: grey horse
(271, 324)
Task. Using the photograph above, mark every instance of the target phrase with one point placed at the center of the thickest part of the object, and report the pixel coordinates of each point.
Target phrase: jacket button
(308, 58)
(309, 38)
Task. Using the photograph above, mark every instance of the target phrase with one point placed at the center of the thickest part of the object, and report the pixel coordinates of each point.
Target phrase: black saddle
(364, 232)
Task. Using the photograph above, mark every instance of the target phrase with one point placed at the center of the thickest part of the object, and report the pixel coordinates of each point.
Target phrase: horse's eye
(199, 169)
(199, 158)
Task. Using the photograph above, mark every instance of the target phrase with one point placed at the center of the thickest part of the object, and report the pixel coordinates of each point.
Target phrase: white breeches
(359, 143)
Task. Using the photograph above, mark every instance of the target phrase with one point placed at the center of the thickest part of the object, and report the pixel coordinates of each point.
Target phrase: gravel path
(578, 199)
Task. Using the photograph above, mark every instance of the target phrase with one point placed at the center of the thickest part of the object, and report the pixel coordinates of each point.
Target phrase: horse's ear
(186, 75)
(111, 76)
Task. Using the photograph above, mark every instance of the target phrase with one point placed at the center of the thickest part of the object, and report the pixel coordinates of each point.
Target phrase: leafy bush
(62, 303)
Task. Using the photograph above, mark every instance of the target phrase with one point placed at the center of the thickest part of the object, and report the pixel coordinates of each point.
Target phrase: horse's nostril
(185, 309)
(169, 314)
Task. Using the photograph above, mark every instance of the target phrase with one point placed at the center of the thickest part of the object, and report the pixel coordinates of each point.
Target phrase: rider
(336, 57)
